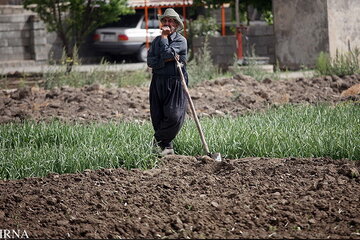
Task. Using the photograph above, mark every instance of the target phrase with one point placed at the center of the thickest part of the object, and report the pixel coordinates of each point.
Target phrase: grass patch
(57, 77)
(342, 64)
(37, 149)
(254, 69)
(287, 131)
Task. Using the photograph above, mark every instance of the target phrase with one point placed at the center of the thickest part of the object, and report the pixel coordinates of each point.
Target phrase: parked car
(127, 36)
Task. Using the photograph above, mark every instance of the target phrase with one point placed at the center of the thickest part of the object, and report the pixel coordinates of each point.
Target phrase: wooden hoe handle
(192, 107)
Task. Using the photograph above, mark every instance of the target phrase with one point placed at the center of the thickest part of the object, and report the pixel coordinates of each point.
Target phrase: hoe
(215, 156)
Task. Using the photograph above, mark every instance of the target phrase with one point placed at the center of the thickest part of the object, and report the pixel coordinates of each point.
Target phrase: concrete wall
(38, 39)
(301, 31)
(344, 24)
(22, 35)
(260, 37)
(304, 28)
(15, 37)
(223, 49)
(24, 38)
(11, 2)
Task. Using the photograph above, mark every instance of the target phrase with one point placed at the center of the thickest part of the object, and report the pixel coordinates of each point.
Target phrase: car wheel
(142, 54)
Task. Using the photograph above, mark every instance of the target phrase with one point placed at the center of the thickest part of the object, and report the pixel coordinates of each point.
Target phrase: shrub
(56, 76)
(201, 67)
(342, 64)
(203, 27)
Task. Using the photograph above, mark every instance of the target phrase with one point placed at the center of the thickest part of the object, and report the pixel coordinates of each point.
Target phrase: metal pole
(184, 16)
(223, 20)
(238, 32)
(159, 12)
(147, 26)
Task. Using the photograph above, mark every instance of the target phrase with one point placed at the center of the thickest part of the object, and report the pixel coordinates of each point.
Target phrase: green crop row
(37, 149)
(288, 131)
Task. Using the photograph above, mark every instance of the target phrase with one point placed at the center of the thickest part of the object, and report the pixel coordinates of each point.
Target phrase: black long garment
(167, 98)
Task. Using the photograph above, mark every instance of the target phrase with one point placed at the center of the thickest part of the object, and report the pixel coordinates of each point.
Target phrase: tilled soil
(231, 96)
(186, 197)
(190, 197)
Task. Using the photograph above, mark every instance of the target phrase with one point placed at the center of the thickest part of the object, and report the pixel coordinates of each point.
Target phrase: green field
(36, 149)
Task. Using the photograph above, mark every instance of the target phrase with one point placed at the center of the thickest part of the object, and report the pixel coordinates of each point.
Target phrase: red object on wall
(223, 33)
(239, 36)
(239, 51)
(184, 16)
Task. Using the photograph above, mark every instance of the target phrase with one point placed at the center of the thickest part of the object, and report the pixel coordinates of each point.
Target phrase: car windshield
(152, 23)
(126, 21)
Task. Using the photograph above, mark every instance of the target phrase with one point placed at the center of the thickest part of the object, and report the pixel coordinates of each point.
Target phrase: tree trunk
(69, 58)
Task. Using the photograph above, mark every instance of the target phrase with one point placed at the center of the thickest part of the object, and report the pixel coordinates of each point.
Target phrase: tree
(211, 3)
(73, 20)
(261, 5)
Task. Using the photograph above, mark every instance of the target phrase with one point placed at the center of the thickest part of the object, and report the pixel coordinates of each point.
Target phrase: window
(152, 23)
(126, 21)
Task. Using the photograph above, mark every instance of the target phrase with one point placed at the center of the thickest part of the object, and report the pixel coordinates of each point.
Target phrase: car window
(152, 23)
(126, 21)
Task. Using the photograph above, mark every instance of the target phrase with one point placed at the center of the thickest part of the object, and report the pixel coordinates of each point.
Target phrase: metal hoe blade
(216, 157)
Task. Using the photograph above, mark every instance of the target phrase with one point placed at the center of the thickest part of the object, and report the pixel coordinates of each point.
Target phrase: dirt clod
(232, 96)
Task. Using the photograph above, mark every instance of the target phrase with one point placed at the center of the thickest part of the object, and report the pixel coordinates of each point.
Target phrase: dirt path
(186, 197)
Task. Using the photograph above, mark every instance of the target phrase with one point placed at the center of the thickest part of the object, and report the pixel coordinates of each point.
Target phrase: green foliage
(322, 65)
(210, 3)
(260, 5)
(342, 64)
(253, 69)
(201, 67)
(37, 149)
(73, 20)
(263, 6)
(56, 77)
(203, 26)
(268, 17)
(284, 131)
(4, 82)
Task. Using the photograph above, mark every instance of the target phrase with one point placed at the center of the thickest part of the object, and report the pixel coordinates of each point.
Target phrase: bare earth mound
(191, 197)
(186, 197)
(233, 96)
